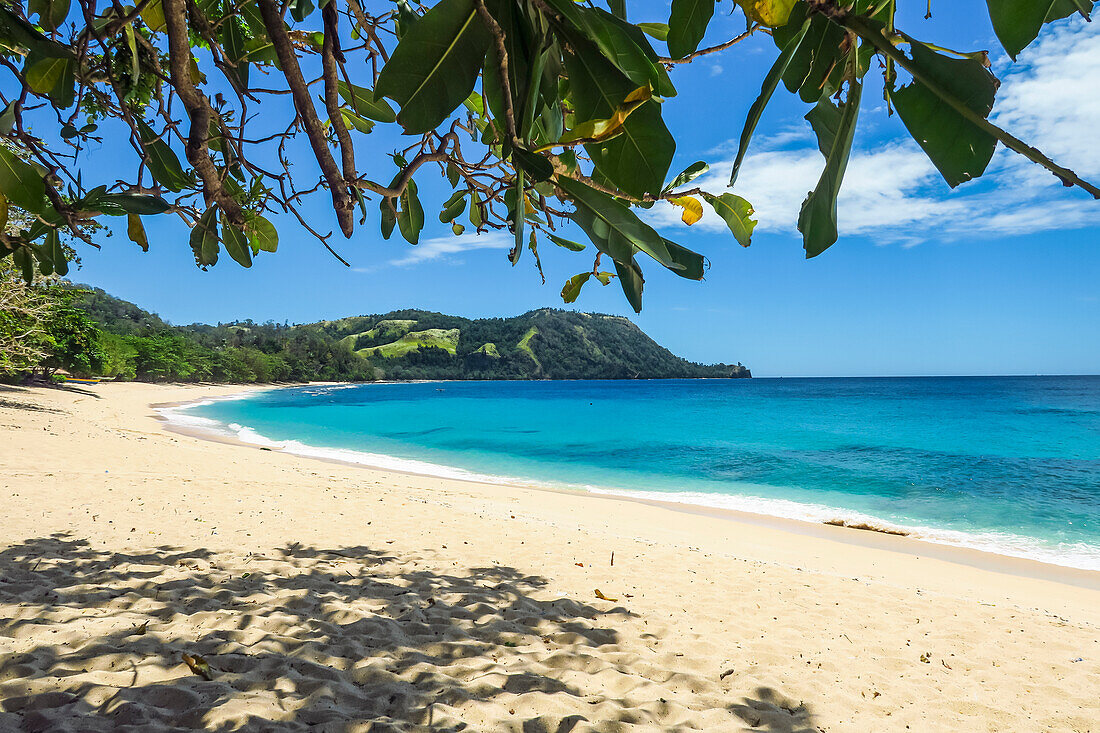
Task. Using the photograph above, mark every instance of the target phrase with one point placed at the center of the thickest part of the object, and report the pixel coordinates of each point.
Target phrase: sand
(327, 597)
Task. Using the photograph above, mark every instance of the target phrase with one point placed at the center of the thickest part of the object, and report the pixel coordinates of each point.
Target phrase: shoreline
(323, 595)
(886, 539)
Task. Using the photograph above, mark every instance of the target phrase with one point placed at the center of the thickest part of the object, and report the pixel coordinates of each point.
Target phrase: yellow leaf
(596, 131)
(136, 232)
(197, 77)
(772, 13)
(199, 666)
(602, 597)
(153, 15)
(693, 209)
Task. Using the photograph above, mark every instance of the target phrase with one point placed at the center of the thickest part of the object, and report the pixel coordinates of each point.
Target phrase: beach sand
(327, 597)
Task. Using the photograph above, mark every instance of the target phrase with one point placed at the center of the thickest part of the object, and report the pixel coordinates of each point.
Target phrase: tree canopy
(537, 113)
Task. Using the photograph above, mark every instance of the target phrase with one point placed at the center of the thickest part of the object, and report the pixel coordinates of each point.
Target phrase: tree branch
(288, 60)
(713, 49)
(198, 110)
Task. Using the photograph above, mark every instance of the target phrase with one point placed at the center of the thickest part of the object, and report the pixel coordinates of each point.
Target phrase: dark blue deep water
(1009, 464)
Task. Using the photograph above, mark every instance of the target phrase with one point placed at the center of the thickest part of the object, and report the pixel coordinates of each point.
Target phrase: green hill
(409, 344)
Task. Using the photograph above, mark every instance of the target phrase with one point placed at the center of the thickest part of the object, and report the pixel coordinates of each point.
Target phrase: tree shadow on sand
(772, 712)
(349, 639)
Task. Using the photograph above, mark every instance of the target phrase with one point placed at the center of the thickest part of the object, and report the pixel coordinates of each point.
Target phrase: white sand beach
(328, 597)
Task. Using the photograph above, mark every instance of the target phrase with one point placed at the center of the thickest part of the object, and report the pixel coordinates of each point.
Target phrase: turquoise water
(1008, 464)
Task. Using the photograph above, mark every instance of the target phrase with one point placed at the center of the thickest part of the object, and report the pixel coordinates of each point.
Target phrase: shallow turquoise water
(1009, 464)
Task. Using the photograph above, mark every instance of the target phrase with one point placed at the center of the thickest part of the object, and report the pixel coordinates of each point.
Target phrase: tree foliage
(42, 329)
(537, 112)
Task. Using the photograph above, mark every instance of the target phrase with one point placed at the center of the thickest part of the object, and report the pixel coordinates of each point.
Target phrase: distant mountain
(408, 344)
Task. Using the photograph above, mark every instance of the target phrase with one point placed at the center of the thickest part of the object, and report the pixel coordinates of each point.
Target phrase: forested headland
(87, 332)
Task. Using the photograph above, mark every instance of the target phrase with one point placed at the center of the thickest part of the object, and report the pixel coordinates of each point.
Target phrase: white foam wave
(1074, 555)
(178, 416)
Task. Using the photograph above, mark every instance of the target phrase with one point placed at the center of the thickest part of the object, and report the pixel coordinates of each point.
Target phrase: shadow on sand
(349, 639)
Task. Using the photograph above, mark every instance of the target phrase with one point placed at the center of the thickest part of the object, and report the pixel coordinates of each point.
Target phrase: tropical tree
(537, 112)
(24, 313)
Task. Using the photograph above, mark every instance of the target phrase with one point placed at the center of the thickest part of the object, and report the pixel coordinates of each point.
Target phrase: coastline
(880, 536)
(318, 591)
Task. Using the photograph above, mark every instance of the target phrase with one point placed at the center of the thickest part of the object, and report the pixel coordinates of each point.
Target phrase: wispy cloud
(443, 247)
(893, 193)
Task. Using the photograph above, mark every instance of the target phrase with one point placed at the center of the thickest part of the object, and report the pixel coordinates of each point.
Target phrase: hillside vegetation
(408, 344)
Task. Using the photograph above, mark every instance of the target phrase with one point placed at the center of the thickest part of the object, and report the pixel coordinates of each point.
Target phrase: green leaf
(1064, 8)
(204, 239)
(1017, 22)
(236, 244)
(3, 213)
(692, 264)
(477, 217)
(573, 287)
(51, 13)
(687, 175)
(355, 122)
(736, 212)
(637, 160)
(607, 214)
(300, 9)
(518, 43)
(818, 55)
(567, 243)
(687, 25)
(655, 30)
(52, 76)
(262, 234)
(817, 220)
(136, 232)
(135, 61)
(7, 119)
(406, 18)
(620, 43)
(533, 164)
(388, 218)
(25, 262)
(958, 148)
(17, 32)
(454, 206)
(57, 253)
(162, 162)
(21, 183)
(410, 217)
(435, 65)
(767, 89)
(630, 277)
(363, 102)
(517, 203)
(235, 44)
(453, 174)
(45, 263)
(130, 203)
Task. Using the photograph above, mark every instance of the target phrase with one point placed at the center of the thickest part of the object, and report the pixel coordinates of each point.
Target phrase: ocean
(1004, 464)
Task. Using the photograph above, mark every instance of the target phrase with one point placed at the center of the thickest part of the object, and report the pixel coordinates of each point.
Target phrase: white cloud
(893, 193)
(440, 247)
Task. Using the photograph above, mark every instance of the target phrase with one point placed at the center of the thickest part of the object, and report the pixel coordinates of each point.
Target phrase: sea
(1009, 465)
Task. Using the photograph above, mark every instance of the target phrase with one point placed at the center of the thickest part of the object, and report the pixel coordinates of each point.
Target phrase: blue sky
(1001, 276)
